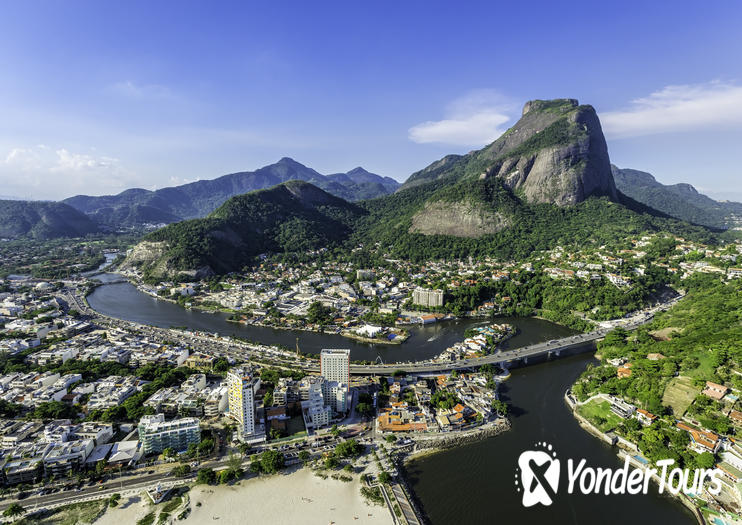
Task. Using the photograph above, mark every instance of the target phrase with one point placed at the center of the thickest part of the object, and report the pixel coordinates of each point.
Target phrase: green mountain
(137, 207)
(555, 154)
(682, 201)
(547, 181)
(292, 216)
(42, 220)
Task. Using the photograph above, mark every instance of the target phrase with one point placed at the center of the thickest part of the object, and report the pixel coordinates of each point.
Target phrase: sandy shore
(289, 498)
(299, 497)
(130, 510)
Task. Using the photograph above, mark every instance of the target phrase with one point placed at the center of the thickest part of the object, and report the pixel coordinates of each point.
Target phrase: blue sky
(96, 97)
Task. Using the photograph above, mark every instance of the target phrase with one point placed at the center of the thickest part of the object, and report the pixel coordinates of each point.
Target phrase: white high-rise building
(427, 297)
(242, 387)
(318, 413)
(335, 368)
(334, 365)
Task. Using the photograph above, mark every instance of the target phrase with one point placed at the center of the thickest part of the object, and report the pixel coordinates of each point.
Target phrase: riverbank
(398, 340)
(622, 452)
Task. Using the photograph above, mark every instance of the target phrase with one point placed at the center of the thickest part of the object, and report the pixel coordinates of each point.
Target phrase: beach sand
(299, 497)
(290, 498)
(130, 510)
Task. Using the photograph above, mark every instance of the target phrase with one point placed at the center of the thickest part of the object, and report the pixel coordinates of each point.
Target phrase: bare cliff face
(555, 153)
(459, 219)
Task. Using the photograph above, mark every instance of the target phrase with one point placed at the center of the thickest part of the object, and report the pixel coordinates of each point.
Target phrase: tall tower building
(334, 365)
(242, 387)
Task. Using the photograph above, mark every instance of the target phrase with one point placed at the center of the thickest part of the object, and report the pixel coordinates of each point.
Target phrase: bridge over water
(506, 359)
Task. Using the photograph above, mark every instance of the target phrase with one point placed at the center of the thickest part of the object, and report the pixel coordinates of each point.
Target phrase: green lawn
(679, 394)
(598, 412)
(705, 369)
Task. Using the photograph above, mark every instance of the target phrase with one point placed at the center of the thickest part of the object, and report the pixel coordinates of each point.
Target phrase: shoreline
(480, 434)
(355, 337)
(622, 454)
(448, 440)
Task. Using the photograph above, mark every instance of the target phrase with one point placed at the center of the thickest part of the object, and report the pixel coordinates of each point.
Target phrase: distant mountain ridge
(138, 206)
(546, 181)
(681, 200)
(42, 220)
(292, 216)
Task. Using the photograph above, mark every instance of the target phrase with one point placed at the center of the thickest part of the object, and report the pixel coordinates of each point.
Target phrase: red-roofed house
(715, 391)
(702, 441)
(644, 417)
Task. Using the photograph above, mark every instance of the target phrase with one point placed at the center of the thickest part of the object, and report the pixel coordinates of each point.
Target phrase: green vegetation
(677, 200)
(291, 217)
(42, 220)
(705, 349)
(385, 477)
(181, 471)
(598, 412)
(206, 476)
(534, 227)
(349, 449)
(499, 406)
(148, 519)
(13, 510)
(270, 462)
(372, 494)
(444, 399)
(560, 132)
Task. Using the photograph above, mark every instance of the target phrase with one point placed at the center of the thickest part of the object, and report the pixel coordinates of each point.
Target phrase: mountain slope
(137, 206)
(42, 220)
(546, 181)
(678, 200)
(555, 153)
(293, 216)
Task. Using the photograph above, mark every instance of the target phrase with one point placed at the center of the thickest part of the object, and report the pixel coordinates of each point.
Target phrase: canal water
(125, 301)
(471, 484)
(475, 484)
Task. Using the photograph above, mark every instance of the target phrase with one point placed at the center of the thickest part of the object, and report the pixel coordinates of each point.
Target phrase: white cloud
(473, 120)
(50, 173)
(67, 161)
(688, 107)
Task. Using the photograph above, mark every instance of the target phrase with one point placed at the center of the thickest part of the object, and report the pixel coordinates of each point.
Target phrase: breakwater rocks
(454, 439)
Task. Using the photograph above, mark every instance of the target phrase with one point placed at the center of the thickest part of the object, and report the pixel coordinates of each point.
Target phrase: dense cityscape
(334, 263)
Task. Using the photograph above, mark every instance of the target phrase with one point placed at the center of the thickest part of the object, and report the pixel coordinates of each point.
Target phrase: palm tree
(13, 510)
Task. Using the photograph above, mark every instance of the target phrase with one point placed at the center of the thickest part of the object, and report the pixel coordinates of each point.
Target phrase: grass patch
(679, 394)
(173, 504)
(598, 412)
(149, 519)
(70, 515)
(706, 367)
(372, 494)
(665, 334)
